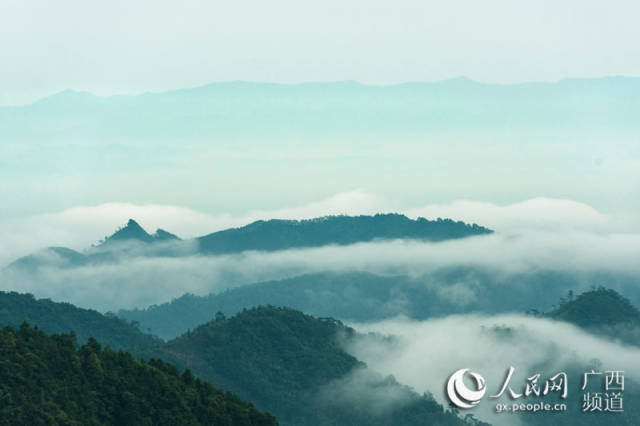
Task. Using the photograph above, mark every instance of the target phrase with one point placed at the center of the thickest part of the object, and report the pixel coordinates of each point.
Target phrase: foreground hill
(282, 360)
(293, 365)
(46, 380)
(53, 317)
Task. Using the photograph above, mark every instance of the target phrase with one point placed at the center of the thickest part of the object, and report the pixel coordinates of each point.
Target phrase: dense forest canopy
(282, 360)
(53, 317)
(294, 365)
(47, 380)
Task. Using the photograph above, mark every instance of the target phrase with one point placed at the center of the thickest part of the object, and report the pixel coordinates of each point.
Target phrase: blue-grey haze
(232, 147)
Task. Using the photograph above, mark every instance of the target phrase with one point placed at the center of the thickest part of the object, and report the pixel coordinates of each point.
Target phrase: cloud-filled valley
(538, 234)
(422, 354)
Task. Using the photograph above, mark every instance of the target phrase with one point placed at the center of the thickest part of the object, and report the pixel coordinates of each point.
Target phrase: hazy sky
(220, 157)
(129, 47)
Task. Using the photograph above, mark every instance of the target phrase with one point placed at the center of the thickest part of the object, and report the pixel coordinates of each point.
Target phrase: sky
(215, 157)
(132, 47)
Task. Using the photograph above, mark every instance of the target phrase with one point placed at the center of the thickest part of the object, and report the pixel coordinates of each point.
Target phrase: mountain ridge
(261, 235)
(48, 380)
(83, 95)
(280, 359)
(56, 317)
(293, 365)
(597, 307)
(340, 230)
(133, 231)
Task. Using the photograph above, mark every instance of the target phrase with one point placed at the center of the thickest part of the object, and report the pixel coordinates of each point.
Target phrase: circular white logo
(460, 395)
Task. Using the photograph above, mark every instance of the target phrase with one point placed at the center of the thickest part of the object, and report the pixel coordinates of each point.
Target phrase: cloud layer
(81, 226)
(424, 354)
(536, 234)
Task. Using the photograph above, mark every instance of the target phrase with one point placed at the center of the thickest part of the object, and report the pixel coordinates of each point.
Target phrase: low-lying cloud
(423, 354)
(81, 226)
(580, 240)
(141, 281)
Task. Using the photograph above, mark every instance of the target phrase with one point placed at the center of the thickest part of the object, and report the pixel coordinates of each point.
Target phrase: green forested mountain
(361, 296)
(127, 241)
(595, 308)
(284, 234)
(601, 311)
(52, 317)
(133, 231)
(293, 365)
(47, 380)
(278, 358)
(268, 235)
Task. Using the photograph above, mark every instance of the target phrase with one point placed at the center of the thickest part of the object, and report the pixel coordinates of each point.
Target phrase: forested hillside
(270, 235)
(47, 380)
(293, 365)
(597, 307)
(601, 311)
(52, 317)
(285, 234)
(282, 360)
(362, 296)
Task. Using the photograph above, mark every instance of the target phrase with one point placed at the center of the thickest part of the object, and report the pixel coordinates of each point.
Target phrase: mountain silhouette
(294, 366)
(596, 308)
(269, 235)
(277, 234)
(132, 231)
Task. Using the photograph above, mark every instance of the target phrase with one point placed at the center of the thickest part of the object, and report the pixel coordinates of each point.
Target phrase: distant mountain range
(270, 235)
(413, 139)
(221, 110)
